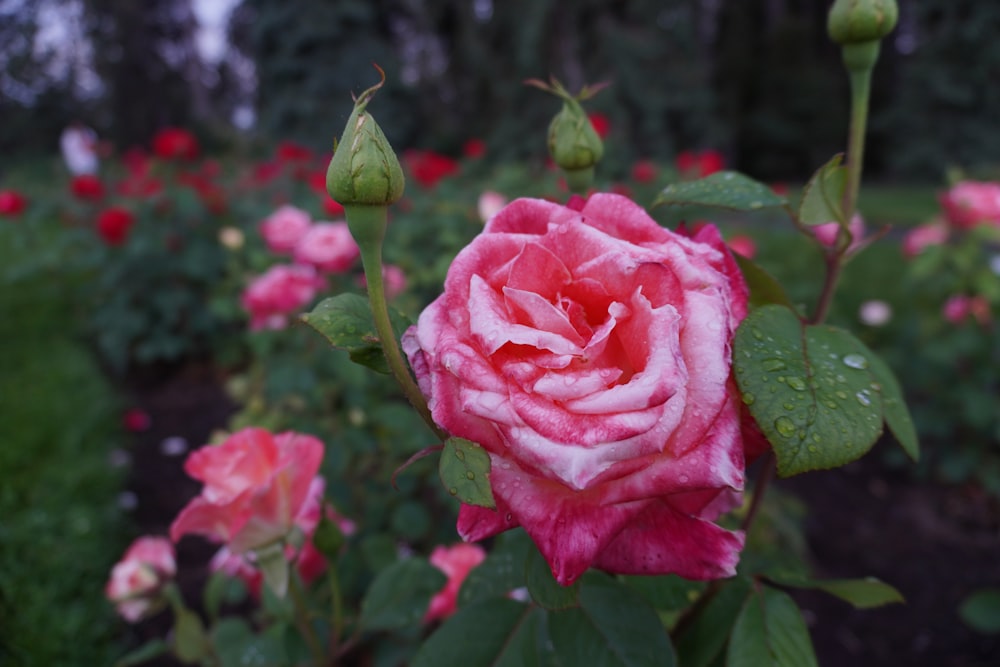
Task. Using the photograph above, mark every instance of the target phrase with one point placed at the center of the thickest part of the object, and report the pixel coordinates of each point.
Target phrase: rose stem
(302, 620)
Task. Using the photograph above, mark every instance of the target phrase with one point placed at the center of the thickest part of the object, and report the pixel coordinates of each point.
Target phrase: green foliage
(724, 189)
(770, 632)
(61, 529)
(465, 469)
(981, 610)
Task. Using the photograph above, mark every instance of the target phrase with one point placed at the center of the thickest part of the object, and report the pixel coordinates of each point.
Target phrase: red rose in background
(428, 167)
(174, 143)
(589, 352)
(12, 203)
(289, 151)
(113, 224)
(699, 164)
(644, 171)
(317, 182)
(474, 149)
(601, 123)
(87, 187)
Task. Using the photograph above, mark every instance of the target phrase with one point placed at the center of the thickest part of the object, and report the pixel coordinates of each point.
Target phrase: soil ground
(935, 543)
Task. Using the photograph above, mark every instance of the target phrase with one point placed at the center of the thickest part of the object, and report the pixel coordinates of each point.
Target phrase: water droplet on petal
(855, 361)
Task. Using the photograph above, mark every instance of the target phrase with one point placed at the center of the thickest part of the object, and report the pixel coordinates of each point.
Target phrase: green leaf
(809, 388)
(723, 189)
(981, 610)
(190, 642)
(544, 589)
(465, 472)
(764, 288)
(328, 538)
(613, 627)
(498, 632)
(770, 632)
(864, 593)
(823, 196)
(702, 639)
(667, 592)
(220, 590)
(501, 572)
(400, 595)
(148, 651)
(346, 322)
(236, 645)
(897, 415)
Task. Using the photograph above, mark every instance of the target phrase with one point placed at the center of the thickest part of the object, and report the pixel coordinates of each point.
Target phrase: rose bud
(855, 21)
(456, 562)
(137, 580)
(574, 143)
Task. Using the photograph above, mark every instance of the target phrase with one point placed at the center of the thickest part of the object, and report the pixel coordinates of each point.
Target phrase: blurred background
(757, 80)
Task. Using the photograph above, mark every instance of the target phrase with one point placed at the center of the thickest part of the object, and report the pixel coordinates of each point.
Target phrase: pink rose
(328, 246)
(922, 237)
(971, 203)
(827, 233)
(490, 203)
(743, 245)
(456, 562)
(256, 485)
(309, 562)
(588, 351)
(283, 289)
(960, 306)
(284, 228)
(136, 580)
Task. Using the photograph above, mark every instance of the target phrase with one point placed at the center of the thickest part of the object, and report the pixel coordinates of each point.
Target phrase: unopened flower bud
(364, 169)
(856, 21)
(573, 142)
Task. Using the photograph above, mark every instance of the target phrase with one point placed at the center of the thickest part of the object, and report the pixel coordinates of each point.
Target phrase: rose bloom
(309, 562)
(284, 228)
(456, 562)
(428, 167)
(281, 290)
(644, 171)
(600, 123)
(86, 186)
(699, 164)
(174, 143)
(256, 485)
(328, 246)
(588, 351)
(12, 203)
(959, 306)
(827, 232)
(971, 203)
(474, 149)
(922, 237)
(113, 225)
(743, 245)
(137, 578)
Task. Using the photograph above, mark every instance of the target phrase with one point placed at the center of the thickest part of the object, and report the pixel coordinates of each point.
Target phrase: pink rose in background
(922, 237)
(309, 562)
(137, 578)
(256, 485)
(971, 203)
(283, 229)
(827, 233)
(282, 290)
(12, 203)
(456, 562)
(744, 245)
(328, 246)
(588, 351)
(958, 307)
(644, 171)
(489, 204)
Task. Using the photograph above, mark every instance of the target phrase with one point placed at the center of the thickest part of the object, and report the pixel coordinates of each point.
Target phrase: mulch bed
(933, 542)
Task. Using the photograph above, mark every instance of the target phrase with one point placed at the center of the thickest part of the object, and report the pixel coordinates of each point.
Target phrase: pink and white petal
(621, 217)
(535, 311)
(537, 269)
(526, 216)
(661, 540)
(200, 517)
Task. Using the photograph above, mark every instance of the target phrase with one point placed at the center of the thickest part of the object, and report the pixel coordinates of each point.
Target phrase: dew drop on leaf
(785, 426)
(797, 383)
(855, 361)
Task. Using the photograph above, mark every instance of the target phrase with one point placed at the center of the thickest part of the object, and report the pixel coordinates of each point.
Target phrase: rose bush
(587, 349)
(282, 289)
(970, 203)
(256, 485)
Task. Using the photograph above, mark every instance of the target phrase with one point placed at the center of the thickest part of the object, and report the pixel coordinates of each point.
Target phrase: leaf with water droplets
(723, 189)
(823, 196)
(346, 322)
(897, 415)
(812, 389)
(400, 594)
(465, 470)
